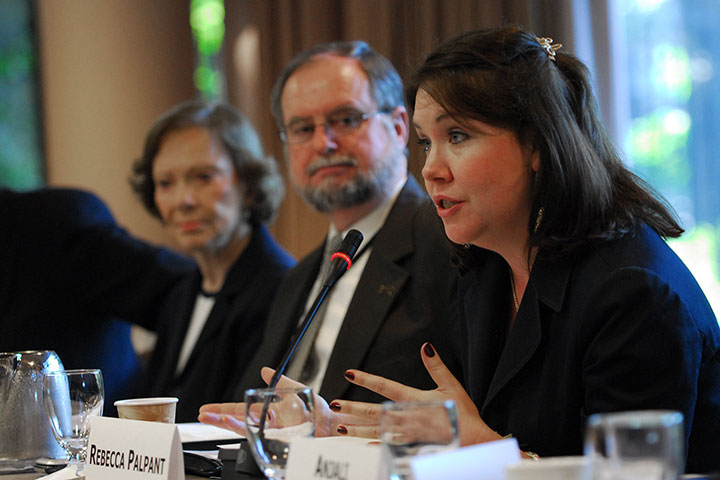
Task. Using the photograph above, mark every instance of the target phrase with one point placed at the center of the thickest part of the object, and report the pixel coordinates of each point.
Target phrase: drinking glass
(273, 417)
(637, 445)
(408, 429)
(72, 399)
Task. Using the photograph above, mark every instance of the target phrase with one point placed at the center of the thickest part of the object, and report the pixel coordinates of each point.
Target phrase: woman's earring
(538, 219)
(467, 246)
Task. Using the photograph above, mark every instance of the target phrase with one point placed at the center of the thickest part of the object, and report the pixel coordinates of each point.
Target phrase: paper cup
(154, 409)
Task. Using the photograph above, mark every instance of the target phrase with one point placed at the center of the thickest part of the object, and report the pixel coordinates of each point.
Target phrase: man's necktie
(305, 363)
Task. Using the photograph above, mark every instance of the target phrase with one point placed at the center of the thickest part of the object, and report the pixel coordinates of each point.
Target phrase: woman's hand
(472, 428)
(231, 416)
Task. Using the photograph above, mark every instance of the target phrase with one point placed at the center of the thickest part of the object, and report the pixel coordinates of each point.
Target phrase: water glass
(273, 417)
(409, 429)
(637, 445)
(72, 398)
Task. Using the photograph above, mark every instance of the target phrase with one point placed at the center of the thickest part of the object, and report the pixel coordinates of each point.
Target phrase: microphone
(341, 262)
(342, 258)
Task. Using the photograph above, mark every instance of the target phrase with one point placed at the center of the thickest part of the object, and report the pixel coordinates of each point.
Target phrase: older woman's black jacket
(231, 334)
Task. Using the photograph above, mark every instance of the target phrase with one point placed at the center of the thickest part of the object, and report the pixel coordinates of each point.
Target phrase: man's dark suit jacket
(406, 296)
(231, 334)
(68, 272)
(617, 326)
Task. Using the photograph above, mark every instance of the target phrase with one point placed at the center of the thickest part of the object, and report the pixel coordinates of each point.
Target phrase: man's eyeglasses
(336, 125)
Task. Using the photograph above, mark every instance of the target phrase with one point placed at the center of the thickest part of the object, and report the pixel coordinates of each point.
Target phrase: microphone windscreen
(351, 243)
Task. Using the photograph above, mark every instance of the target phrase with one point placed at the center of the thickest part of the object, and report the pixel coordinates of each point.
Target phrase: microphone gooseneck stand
(341, 262)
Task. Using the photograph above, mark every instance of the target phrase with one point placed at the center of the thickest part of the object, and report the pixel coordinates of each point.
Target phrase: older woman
(204, 175)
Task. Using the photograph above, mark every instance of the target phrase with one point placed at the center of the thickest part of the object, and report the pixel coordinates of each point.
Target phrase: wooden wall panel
(108, 69)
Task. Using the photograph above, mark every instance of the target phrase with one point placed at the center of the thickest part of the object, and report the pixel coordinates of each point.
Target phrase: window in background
(21, 164)
(207, 20)
(668, 66)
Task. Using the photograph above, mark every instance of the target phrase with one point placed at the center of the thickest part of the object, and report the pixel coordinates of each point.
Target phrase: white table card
(333, 458)
(134, 450)
(486, 461)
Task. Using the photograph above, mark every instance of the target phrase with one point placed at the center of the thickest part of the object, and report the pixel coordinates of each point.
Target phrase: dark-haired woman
(204, 175)
(574, 304)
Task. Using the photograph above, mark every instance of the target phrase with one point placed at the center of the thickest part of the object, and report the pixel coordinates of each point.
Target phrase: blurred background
(81, 82)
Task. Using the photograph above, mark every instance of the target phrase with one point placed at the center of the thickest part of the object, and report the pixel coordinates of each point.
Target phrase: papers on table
(199, 436)
(486, 461)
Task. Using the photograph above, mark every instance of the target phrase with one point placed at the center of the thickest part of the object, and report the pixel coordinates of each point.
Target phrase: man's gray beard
(365, 187)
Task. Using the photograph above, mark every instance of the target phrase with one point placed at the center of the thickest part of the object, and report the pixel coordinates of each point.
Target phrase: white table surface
(33, 476)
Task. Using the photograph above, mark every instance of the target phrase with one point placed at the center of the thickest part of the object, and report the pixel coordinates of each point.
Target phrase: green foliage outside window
(207, 19)
(21, 164)
(673, 71)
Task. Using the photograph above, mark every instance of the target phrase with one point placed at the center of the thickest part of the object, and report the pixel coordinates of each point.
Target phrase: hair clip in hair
(546, 44)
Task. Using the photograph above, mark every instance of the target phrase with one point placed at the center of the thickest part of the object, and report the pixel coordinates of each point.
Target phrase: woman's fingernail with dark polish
(335, 407)
(342, 430)
(350, 375)
(429, 350)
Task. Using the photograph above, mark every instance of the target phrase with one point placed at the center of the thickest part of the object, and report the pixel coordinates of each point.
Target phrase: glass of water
(73, 398)
(273, 417)
(637, 445)
(409, 429)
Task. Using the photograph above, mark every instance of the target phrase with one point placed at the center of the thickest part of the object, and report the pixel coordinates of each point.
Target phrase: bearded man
(340, 110)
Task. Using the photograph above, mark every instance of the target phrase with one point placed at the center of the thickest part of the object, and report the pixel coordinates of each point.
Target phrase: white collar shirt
(342, 293)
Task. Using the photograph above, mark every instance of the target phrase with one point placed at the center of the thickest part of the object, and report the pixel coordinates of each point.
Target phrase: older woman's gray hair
(264, 187)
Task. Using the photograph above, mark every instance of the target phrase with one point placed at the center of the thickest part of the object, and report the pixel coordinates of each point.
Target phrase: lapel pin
(388, 290)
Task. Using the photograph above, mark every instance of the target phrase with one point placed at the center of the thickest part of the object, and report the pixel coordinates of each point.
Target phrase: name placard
(486, 461)
(133, 450)
(333, 458)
